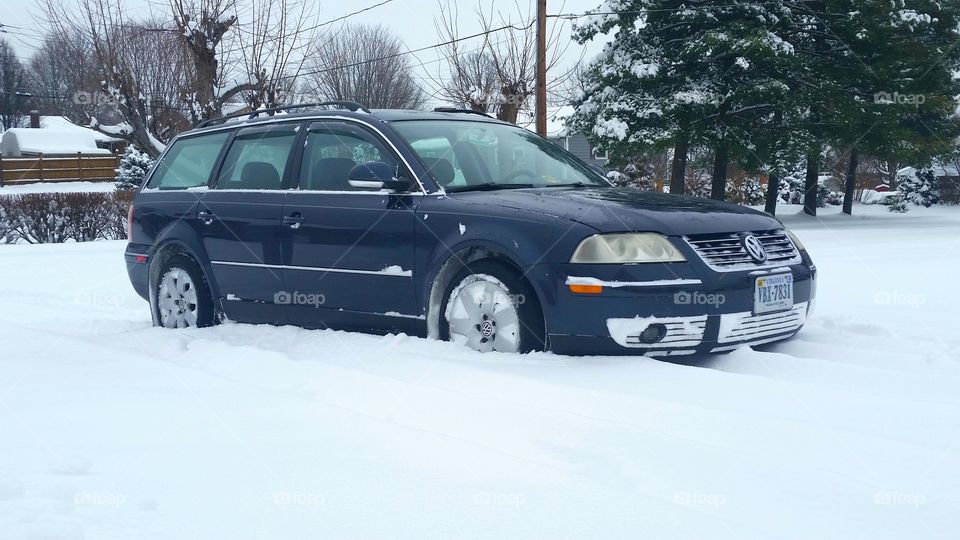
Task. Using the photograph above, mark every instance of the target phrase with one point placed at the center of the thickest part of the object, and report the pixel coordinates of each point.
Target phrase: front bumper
(701, 310)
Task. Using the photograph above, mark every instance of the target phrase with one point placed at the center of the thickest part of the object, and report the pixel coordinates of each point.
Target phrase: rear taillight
(130, 224)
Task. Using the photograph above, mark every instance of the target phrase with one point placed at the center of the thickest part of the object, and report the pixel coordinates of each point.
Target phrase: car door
(241, 222)
(351, 250)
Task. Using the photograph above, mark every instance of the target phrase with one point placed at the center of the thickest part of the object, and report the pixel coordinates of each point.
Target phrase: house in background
(55, 150)
(574, 142)
(577, 144)
(55, 136)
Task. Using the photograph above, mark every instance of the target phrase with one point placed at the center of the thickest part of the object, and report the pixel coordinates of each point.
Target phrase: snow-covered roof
(60, 123)
(19, 141)
(939, 170)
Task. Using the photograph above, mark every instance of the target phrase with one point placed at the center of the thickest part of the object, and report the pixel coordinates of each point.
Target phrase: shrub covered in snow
(746, 191)
(631, 176)
(920, 188)
(871, 196)
(41, 218)
(697, 184)
(834, 198)
(134, 166)
(792, 189)
(900, 205)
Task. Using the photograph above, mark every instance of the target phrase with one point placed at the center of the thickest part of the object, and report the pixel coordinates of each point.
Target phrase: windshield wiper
(488, 186)
(572, 184)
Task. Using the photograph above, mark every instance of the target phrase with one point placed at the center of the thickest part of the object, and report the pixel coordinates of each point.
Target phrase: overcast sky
(412, 20)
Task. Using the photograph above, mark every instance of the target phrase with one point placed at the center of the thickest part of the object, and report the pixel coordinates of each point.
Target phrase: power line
(287, 36)
(413, 51)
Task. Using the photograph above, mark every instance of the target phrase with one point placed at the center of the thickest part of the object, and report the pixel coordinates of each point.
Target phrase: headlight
(796, 241)
(626, 248)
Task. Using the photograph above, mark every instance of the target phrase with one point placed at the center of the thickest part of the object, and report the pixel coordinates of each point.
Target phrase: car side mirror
(377, 175)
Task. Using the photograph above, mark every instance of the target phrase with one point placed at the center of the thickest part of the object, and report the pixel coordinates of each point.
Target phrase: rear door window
(258, 158)
(189, 162)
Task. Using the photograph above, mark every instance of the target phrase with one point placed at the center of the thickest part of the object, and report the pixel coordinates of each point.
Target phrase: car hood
(624, 209)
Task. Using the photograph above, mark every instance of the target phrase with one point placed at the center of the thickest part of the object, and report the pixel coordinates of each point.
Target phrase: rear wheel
(489, 308)
(182, 296)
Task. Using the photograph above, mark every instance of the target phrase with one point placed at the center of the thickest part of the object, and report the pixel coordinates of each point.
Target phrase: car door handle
(294, 220)
(206, 217)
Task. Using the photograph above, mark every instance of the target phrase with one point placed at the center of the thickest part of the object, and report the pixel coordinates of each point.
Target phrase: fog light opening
(653, 333)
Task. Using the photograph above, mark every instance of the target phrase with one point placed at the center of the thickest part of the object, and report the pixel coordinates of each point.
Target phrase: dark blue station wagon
(454, 226)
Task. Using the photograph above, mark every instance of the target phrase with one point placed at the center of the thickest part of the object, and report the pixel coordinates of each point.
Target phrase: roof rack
(461, 111)
(347, 105)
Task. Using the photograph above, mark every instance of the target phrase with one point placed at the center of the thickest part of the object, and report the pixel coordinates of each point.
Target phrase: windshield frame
(591, 177)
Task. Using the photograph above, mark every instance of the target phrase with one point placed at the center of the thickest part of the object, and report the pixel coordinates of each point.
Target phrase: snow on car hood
(624, 209)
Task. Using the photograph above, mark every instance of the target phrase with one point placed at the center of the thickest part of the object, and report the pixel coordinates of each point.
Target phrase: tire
(182, 296)
(488, 307)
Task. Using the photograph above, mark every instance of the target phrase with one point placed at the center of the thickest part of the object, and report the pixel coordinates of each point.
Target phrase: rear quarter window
(189, 162)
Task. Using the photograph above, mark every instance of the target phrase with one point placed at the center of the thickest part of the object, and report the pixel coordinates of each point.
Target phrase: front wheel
(182, 296)
(489, 308)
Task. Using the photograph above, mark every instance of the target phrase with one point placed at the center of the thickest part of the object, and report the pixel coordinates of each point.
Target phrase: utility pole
(541, 90)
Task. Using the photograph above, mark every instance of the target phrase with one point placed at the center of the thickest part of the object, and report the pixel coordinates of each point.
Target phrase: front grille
(724, 252)
(737, 327)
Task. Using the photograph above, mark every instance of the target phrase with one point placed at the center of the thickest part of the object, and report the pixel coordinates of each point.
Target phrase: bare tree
(163, 81)
(472, 78)
(273, 48)
(501, 72)
(112, 38)
(64, 73)
(365, 64)
(12, 78)
(201, 26)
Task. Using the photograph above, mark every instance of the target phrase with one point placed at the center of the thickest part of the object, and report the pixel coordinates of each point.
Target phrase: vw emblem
(486, 329)
(754, 248)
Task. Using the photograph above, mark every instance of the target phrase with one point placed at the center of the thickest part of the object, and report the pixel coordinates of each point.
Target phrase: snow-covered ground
(111, 429)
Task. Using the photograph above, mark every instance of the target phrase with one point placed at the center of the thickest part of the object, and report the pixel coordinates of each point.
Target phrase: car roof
(384, 115)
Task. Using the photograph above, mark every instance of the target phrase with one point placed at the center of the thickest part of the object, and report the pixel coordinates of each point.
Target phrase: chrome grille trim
(725, 253)
(737, 327)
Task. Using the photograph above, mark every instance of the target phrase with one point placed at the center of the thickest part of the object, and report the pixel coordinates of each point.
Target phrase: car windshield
(469, 155)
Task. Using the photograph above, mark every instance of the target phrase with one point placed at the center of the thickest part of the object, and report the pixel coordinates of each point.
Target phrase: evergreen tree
(134, 166)
(920, 188)
(682, 75)
(766, 85)
(875, 78)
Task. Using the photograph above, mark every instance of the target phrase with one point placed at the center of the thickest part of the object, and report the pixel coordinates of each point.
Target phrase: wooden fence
(58, 169)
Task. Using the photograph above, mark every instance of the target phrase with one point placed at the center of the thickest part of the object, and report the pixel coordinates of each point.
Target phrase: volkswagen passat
(450, 225)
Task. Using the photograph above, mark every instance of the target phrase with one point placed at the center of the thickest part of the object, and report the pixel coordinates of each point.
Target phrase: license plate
(773, 293)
